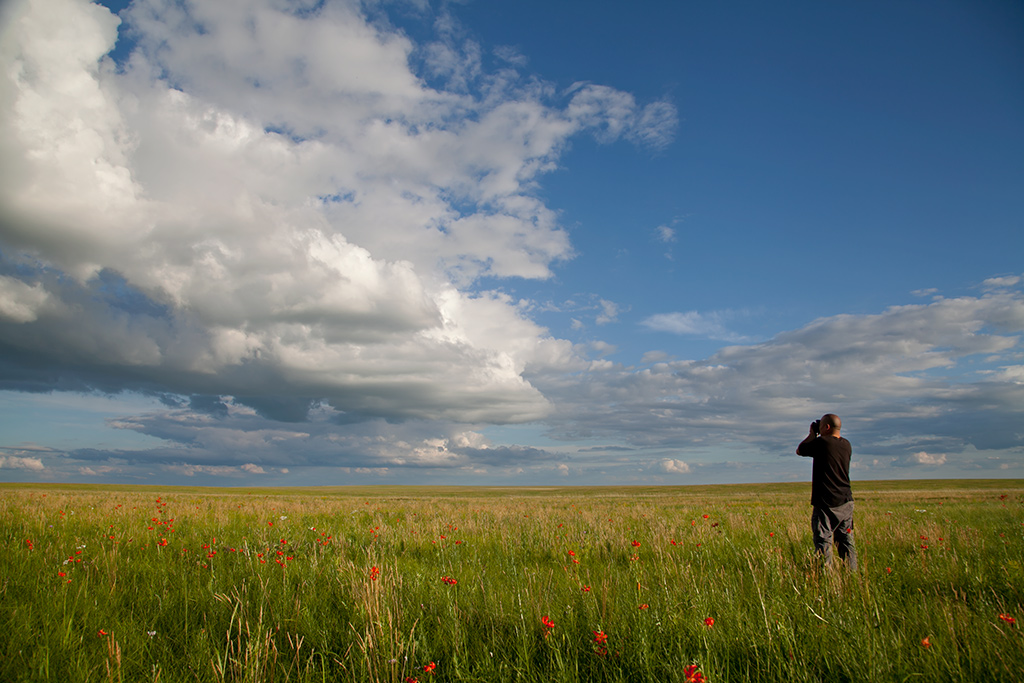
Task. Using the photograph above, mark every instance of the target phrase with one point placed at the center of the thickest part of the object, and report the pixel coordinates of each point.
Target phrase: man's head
(830, 424)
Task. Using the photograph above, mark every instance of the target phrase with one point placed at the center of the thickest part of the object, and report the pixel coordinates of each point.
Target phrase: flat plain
(402, 584)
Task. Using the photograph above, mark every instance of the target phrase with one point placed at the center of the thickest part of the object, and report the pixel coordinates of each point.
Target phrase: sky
(300, 242)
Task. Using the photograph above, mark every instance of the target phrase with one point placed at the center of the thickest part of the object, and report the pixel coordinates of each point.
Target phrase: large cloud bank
(265, 200)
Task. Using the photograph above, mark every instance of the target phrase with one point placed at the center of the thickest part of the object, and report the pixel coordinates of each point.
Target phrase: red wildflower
(643, 606)
(429, 668)
(693, 675)
(925, 643)
(600, 637)
(1008, 619)
(709, 622)
(636, 544)
(547, 622)
(586, 589)
(410, 679)
(706, 516)
(101, 633)
(572, 554)
(374, 573)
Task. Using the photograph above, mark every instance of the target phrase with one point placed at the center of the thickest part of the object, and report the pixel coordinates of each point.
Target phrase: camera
(816, 426)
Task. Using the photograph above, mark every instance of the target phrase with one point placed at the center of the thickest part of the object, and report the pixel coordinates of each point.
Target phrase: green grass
(176, 584)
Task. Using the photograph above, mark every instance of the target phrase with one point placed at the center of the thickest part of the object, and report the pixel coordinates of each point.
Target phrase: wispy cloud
(944, 375)
(693, 323)
(1001, 282)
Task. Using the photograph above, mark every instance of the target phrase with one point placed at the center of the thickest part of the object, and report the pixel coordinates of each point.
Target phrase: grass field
(543, 584)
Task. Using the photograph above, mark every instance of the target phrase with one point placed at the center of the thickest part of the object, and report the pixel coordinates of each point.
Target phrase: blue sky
(261, 242)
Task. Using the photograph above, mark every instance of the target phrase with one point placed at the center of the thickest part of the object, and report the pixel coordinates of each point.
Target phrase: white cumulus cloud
(265, 200)
(674, 466)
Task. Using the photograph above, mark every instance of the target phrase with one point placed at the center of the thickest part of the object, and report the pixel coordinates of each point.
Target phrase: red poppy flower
(925, 643)
(636, 544)
(643, 606)
(709, 622)
(1008, 619)
(693, 675)
(600, 637)
(429, 668)
(547, 622)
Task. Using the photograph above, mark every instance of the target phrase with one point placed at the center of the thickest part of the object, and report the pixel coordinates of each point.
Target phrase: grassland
(545, 584)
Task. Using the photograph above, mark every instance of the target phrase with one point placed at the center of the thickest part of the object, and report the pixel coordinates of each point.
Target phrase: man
(831, 496)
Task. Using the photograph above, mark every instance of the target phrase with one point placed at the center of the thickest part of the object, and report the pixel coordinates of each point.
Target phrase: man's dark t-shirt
(830, 485)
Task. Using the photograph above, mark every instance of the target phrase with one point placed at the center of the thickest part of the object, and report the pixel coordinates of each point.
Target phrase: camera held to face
(816, 426)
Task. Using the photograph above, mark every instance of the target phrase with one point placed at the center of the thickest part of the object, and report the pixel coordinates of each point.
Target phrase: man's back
(830, 485)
